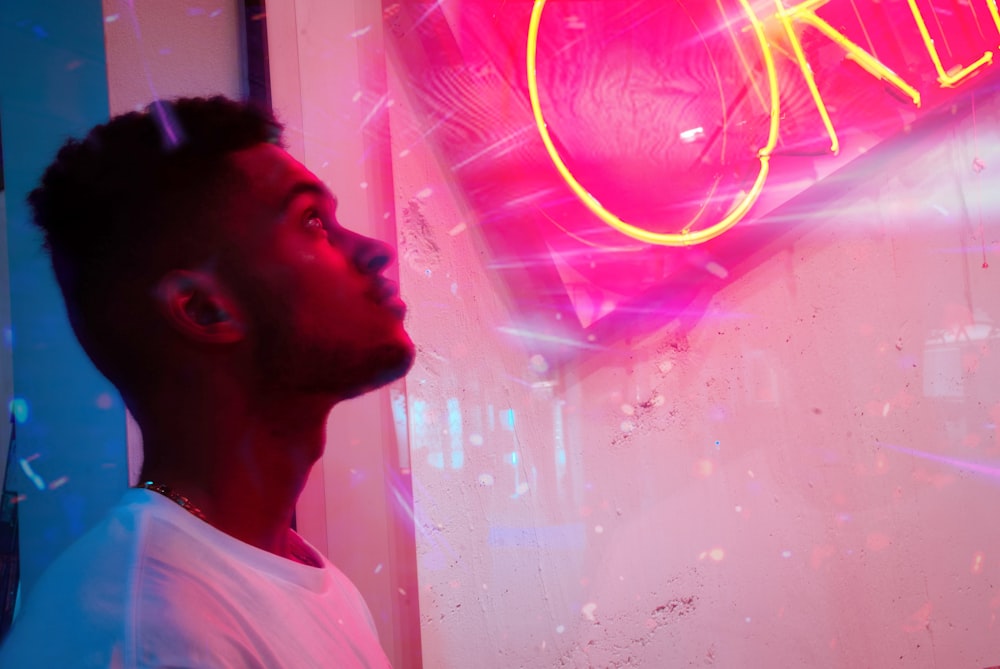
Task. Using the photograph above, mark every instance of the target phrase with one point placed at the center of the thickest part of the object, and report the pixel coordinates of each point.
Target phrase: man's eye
(315, 223)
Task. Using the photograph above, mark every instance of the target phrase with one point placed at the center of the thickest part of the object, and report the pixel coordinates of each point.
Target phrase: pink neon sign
(649, 123)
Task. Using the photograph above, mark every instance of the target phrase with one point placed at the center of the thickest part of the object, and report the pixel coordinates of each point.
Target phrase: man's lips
(386, 293)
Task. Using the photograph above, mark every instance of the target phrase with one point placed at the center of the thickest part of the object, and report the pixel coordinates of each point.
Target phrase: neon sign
(790, 18)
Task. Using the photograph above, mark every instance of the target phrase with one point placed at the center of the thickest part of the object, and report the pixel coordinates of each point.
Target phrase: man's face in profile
(321, 316)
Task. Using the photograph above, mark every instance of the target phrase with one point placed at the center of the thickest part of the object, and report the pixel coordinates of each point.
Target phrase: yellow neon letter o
(685, 238)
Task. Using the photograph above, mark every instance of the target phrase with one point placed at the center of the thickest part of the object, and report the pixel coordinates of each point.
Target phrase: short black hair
(131, 199)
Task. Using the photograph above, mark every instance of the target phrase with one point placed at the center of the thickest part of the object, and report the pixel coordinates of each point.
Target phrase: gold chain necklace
(296, 552)
(180, 499)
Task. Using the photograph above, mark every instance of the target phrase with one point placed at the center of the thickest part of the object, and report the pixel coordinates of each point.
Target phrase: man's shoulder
(78, 603)
(139, 571)
(159, 588)
(104, 555)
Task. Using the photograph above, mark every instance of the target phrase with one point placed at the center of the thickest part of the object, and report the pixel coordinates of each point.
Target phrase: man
(205, 274)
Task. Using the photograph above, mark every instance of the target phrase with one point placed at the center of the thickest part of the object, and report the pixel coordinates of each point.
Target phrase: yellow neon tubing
(992, 4)
(945, 79)
(868, 62)
(806, 69)
(685, 238)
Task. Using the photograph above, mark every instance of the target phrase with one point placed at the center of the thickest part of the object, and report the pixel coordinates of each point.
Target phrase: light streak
(426, 15)
(541, 336)
(975, 467)
(499, 142)
(376, 108)
(617, 249)
(688, 136)
(425, 134)
(31, 474)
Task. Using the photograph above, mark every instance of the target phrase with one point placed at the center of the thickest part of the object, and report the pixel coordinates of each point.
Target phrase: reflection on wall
(774, 449)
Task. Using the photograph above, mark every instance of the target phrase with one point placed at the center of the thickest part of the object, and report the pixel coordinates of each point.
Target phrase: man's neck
(244, 468)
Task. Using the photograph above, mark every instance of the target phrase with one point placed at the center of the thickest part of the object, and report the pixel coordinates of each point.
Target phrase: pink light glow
(601, 125)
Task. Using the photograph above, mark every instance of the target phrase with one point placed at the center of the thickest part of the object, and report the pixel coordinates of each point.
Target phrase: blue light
(455, 432)
(508, 419)
(19, 408)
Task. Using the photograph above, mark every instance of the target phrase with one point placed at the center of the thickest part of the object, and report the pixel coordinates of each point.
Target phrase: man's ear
(197, 306)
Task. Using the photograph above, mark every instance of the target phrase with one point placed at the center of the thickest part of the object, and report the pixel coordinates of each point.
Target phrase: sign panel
(592, 138)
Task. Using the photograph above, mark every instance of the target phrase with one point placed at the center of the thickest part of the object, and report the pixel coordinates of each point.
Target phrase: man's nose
(371, 256)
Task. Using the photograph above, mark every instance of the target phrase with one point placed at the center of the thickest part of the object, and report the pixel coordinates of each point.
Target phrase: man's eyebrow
(316, 188)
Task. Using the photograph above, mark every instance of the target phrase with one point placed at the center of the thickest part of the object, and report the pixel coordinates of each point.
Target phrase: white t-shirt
(153, 586)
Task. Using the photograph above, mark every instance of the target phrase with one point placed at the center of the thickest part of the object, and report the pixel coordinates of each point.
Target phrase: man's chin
(389, 363)
(398, 361)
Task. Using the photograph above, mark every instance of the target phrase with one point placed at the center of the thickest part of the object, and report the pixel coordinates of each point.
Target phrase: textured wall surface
(796, 471)
(167, 49)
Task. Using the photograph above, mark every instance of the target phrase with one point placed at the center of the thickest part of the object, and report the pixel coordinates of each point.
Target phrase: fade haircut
(136, 197)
